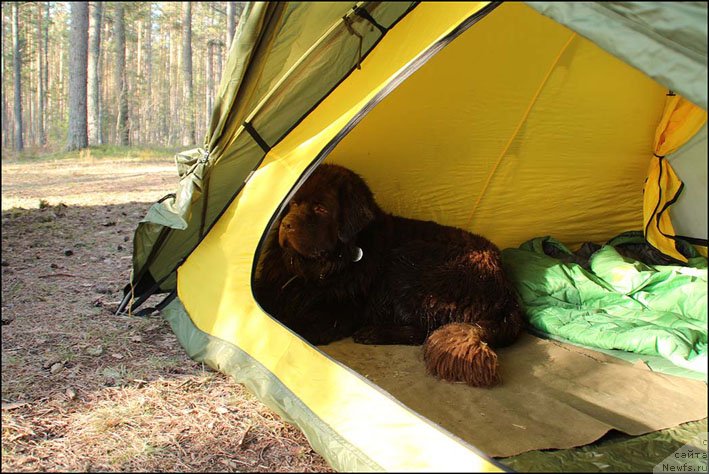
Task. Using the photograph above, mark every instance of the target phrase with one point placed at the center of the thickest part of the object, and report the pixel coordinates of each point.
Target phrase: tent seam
(515, 133)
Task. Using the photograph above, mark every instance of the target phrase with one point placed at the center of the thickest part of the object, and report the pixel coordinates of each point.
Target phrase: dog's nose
(287, 226)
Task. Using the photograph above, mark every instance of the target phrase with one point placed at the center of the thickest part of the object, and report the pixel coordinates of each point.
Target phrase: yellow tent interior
(544, 133)
(490, 139)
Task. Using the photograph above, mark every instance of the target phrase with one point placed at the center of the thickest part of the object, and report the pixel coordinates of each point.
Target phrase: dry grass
(84, 390)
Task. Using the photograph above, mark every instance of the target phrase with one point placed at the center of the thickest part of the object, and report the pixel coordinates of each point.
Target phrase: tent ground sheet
(553, 395)
(617, 452)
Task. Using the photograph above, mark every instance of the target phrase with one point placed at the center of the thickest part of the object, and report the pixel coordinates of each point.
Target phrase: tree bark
(148, 106)
(6, 132)
(46, 69)
(78, 65)
(188, 126)
(93, 87)
(218, 66)
(17, 65)
(40, 79)
(108, 99)
(136, 88)
(171, 87)
(230, 22)
(29, 80)
(122, 130)
(209, 72)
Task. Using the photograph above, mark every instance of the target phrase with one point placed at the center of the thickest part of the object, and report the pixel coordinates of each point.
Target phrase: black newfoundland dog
(339, 266)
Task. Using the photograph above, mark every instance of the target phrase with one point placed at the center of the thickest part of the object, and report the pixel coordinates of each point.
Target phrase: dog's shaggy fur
(339, 266)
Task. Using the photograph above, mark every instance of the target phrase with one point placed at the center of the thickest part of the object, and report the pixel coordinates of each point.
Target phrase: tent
(512, 120)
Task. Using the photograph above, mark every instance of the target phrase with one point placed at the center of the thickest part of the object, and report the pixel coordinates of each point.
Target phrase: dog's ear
(357, 206)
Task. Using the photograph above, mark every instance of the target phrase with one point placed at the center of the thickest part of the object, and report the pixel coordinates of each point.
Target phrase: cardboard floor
(553, 395)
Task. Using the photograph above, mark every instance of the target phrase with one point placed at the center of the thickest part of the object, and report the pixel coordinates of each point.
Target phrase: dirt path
(83, 389)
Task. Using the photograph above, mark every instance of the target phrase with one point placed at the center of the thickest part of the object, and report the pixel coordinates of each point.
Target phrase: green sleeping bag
(609, 300)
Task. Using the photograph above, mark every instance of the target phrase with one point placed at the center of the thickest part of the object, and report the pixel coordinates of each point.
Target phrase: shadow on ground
(83, 389)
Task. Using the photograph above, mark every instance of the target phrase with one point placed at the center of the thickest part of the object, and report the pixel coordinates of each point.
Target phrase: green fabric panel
(229, 359)
(173, 212)
(665, 40)
(618, 304)
(174, 248)
(244, 64)
(303, 24)
(230, 173)
(161, 214)
(186, 161)
(188, 204)
(387, 13)
(146, 234)
(617, 452)
(313, 77)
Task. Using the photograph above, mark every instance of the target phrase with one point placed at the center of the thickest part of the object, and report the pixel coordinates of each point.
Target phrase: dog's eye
(320, 209)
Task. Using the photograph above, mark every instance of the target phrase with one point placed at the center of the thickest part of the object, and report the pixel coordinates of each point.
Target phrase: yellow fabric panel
(662, 186)
(519, 128)
(680, 122)
(214, 282)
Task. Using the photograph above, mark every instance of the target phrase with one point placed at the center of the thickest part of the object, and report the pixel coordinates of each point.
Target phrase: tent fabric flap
(681, 120)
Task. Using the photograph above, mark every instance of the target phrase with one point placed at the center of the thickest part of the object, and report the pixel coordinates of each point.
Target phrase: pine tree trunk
(17, 65)
(173, 98)
(188, 126)
(93, 86)
(5, 120)
(40, 80)
(78, 65)
(30, 135)
(6, 133)
(136, 88)
(148, 106)
(108, 97)
(122, 131)
(218, 66)
(209, 72)
(45, 105)
(230, 22)
(59, 80)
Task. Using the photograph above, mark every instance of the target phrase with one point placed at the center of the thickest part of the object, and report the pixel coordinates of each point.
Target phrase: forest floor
(83, 389)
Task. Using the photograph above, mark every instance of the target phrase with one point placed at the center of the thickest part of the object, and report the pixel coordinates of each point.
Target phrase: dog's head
(318, 231)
